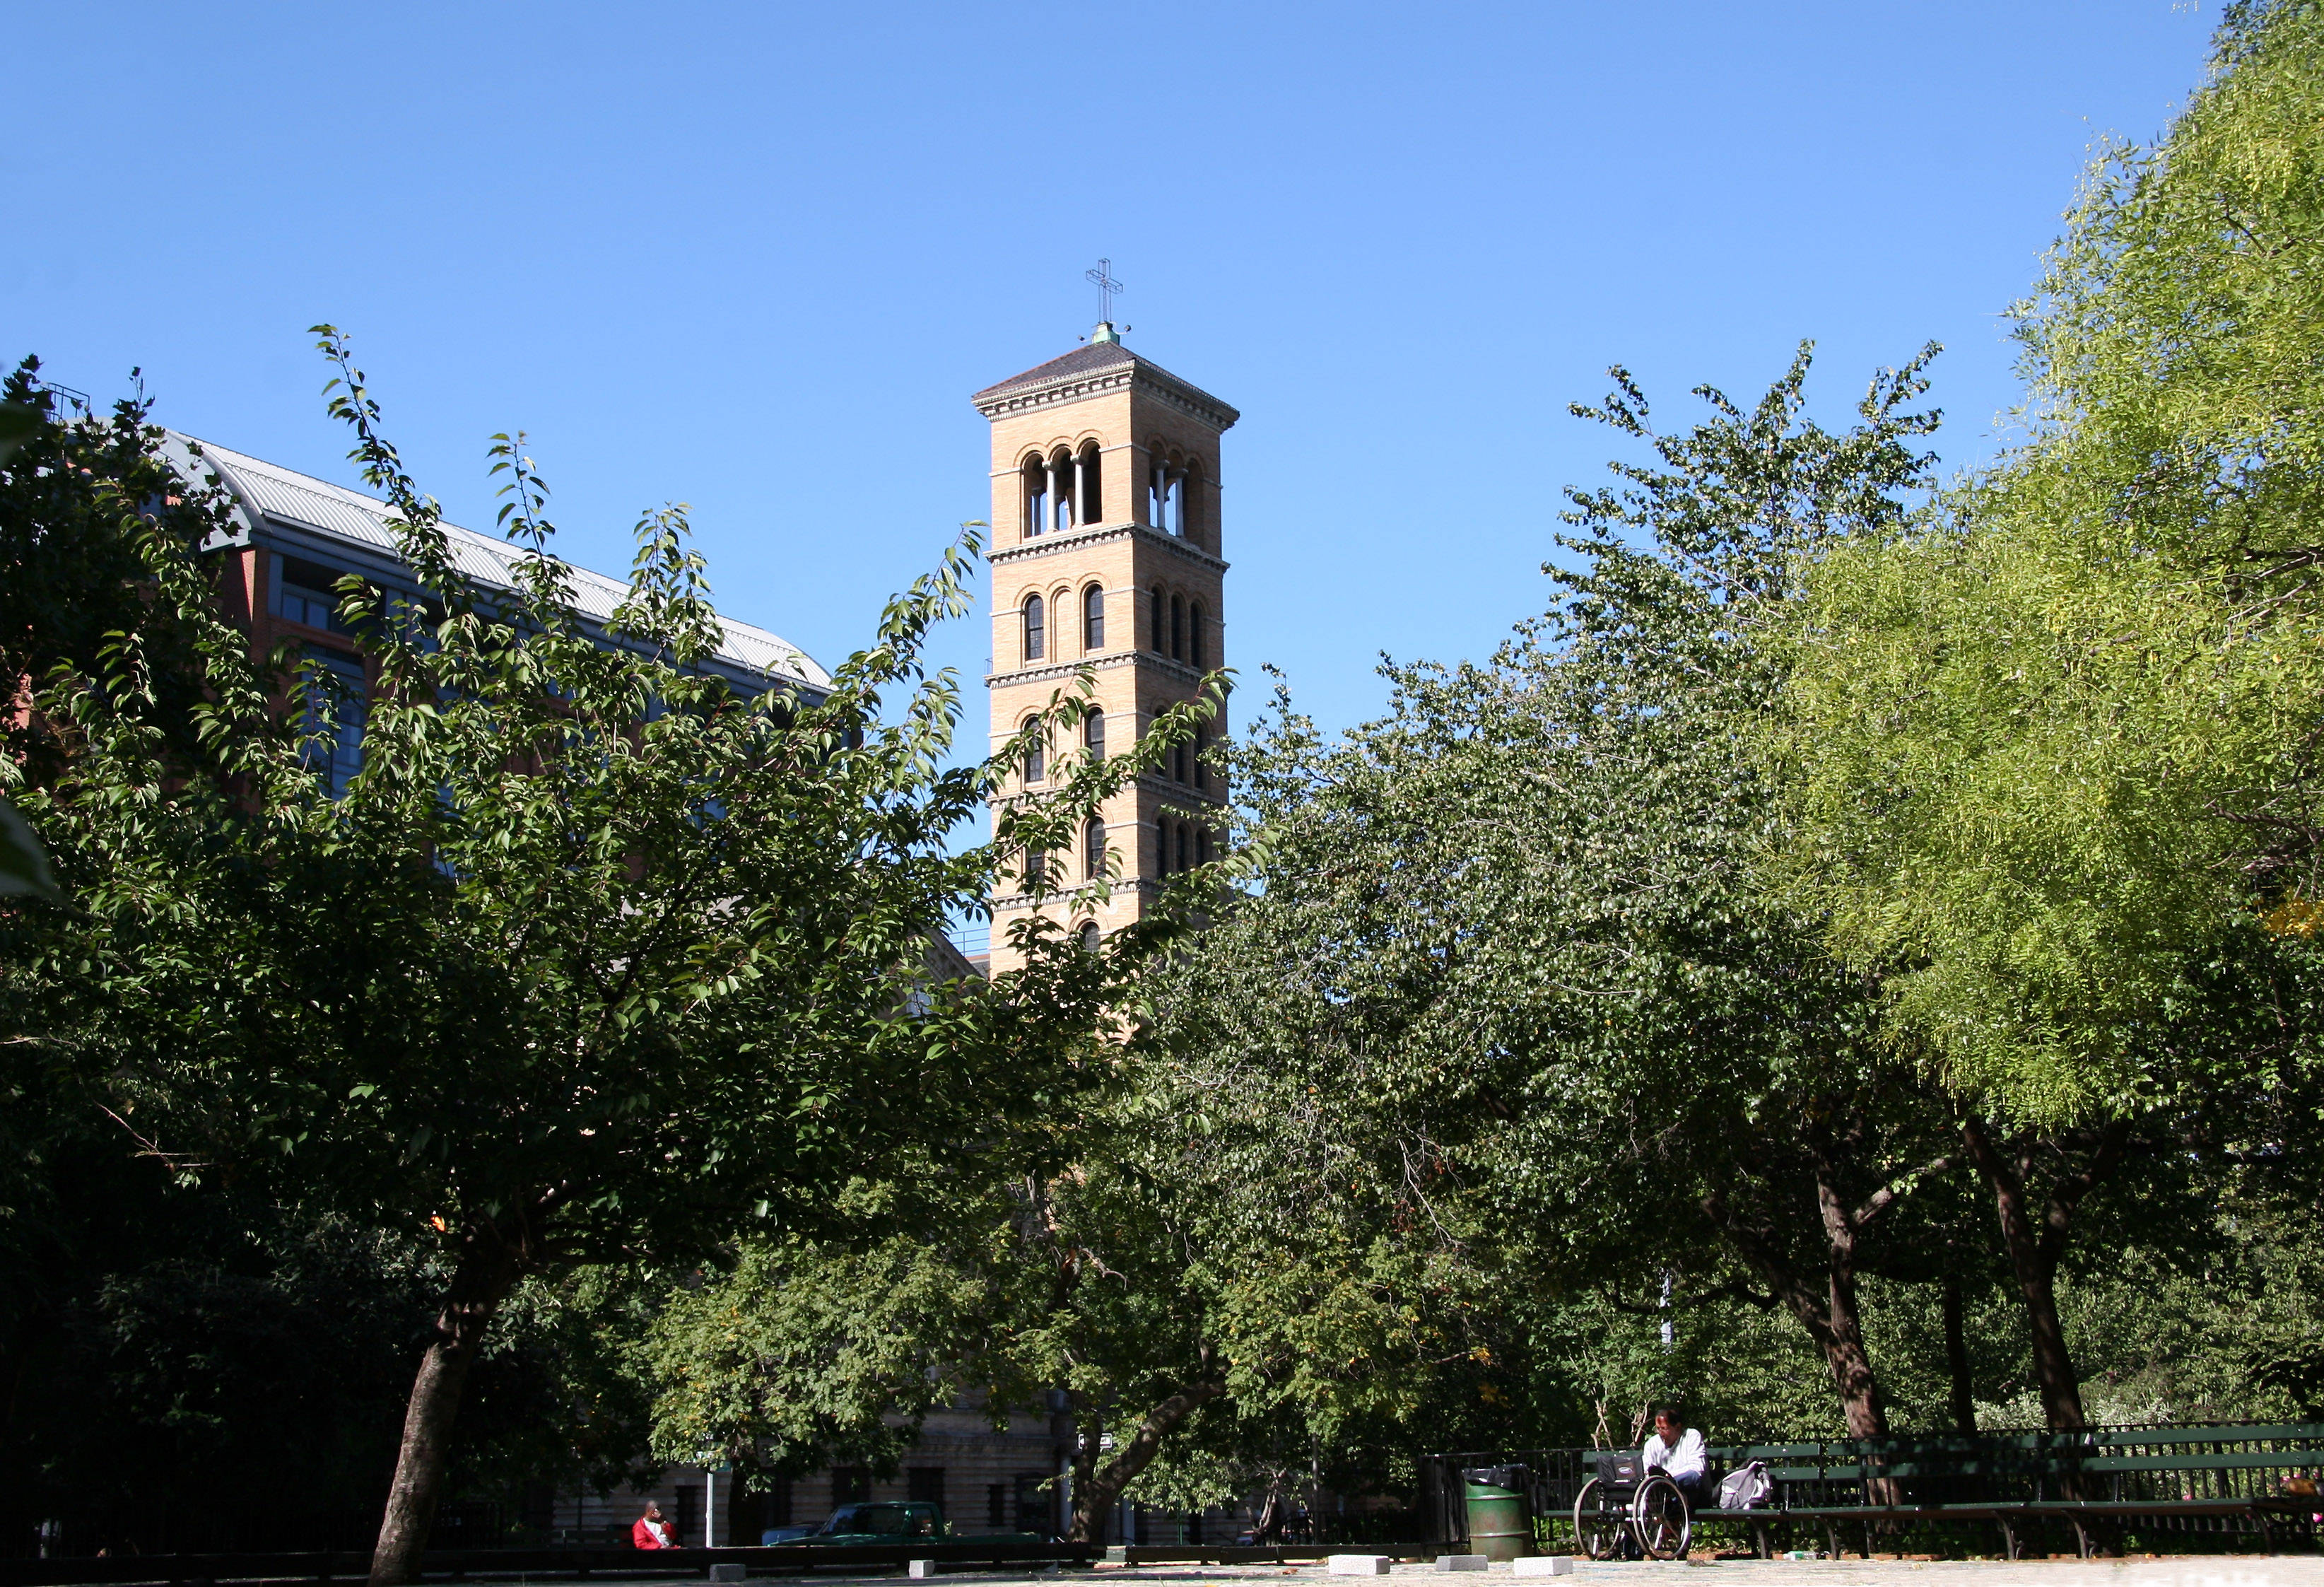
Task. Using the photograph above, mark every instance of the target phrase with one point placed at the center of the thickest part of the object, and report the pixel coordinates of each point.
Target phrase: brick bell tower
(1106, 554)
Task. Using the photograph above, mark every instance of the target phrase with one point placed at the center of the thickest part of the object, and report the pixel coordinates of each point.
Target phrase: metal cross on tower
(1102, 278)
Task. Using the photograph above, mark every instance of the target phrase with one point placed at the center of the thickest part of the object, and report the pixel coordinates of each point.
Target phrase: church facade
(1107, 555)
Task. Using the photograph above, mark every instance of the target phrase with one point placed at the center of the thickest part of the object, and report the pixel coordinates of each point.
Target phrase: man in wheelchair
(1643, 1505)
(1675, 1450)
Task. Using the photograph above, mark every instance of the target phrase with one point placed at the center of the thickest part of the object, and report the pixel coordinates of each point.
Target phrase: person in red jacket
(651, 1531)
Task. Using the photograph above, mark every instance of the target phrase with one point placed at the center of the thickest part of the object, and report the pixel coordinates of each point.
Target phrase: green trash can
(1501, 1518)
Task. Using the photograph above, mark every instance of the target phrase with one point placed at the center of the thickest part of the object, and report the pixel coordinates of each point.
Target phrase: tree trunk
(1850, 1363)
(1829, 1313)
(1957, 1360)
(1269, 1527)
(488, 1271)
(1096, 1495)
(2036, 1247)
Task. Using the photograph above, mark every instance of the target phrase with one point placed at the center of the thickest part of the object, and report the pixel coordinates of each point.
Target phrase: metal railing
(2200, 1468)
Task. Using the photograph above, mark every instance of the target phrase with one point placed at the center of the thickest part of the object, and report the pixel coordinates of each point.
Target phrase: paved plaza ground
(2177, 1571)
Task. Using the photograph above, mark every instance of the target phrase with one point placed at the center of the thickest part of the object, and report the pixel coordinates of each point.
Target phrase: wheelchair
(1623, 1511)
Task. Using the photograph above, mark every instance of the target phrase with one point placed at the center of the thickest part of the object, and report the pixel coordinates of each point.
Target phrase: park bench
(2175, 1478)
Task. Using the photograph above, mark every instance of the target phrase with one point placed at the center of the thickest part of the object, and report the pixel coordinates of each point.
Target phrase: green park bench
(2220, 1477)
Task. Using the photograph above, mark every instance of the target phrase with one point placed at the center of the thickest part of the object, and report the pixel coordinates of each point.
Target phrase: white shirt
(1683, 1463)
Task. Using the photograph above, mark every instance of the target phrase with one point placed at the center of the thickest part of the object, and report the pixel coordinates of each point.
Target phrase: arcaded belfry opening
(1034, 483)
(1089, 486)
(1105, 477)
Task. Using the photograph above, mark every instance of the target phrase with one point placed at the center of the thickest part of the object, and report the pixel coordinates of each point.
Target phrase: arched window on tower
(1185, 846)
(1036, 477)
(1036, 628)
(1089, 485)
(1162, 848)
(1062, 473)
(1203, 845)
(1194, 648)
(1088, 936)
(1197, 756)
(1093, 734)
(1188, 519)
(1093, 619)
(1094, 850)
(1159, 623)
(1177, 762)
(1165, 496)
(1177, 629)
(1037, 757)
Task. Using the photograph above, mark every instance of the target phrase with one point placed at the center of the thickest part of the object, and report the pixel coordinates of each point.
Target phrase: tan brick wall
(1128, 559)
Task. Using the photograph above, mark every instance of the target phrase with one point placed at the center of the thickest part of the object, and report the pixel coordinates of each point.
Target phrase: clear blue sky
(756, 257)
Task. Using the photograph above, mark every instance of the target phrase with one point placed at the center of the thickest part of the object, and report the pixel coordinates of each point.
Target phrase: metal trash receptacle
(1500, 1513)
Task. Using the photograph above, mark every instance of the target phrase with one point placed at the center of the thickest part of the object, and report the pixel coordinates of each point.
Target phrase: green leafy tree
(2055, 745)
(2051, 748)
(594, 962)
(1513, 930)
(1194, 1279)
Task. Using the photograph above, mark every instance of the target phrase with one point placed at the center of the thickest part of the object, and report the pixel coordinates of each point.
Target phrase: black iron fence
(2214, 1478)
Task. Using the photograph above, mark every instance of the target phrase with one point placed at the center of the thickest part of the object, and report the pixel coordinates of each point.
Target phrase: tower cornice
(1059, 672)
(1080, 538)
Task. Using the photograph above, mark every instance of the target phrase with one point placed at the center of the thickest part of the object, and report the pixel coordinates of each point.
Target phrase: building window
(775, 1504)
(1088, 936)
(1203, 845)
(686, 1512)
(1093, 734)
(1061, 489)
(751, 1514)
(850, 1484)
(1089, 485)
(1177, 629)
(1162, 848)
(1186, 856)
(1093, 619)
(1197, 756)
(1036, 870)
(1195, 635)
(300, 592)
(1036, 628)
(996, 1505)
(925, 1483)
(1094, 849)
(1034, 1509)
(1159, 624)
(331, 717)
(1035, 475)
(1165, 497)
(1037, 751)
(1185, 520)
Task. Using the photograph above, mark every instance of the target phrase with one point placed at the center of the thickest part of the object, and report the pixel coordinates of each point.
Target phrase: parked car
(886, 1522)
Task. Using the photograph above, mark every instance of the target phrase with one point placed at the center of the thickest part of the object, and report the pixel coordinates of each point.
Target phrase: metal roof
(302, 501)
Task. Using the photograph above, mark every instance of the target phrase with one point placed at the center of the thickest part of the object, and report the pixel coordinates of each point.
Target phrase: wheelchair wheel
(1660, 1518)
(1598, 1521)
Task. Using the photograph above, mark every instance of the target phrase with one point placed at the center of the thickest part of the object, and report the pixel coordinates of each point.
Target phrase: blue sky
(756, 257)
